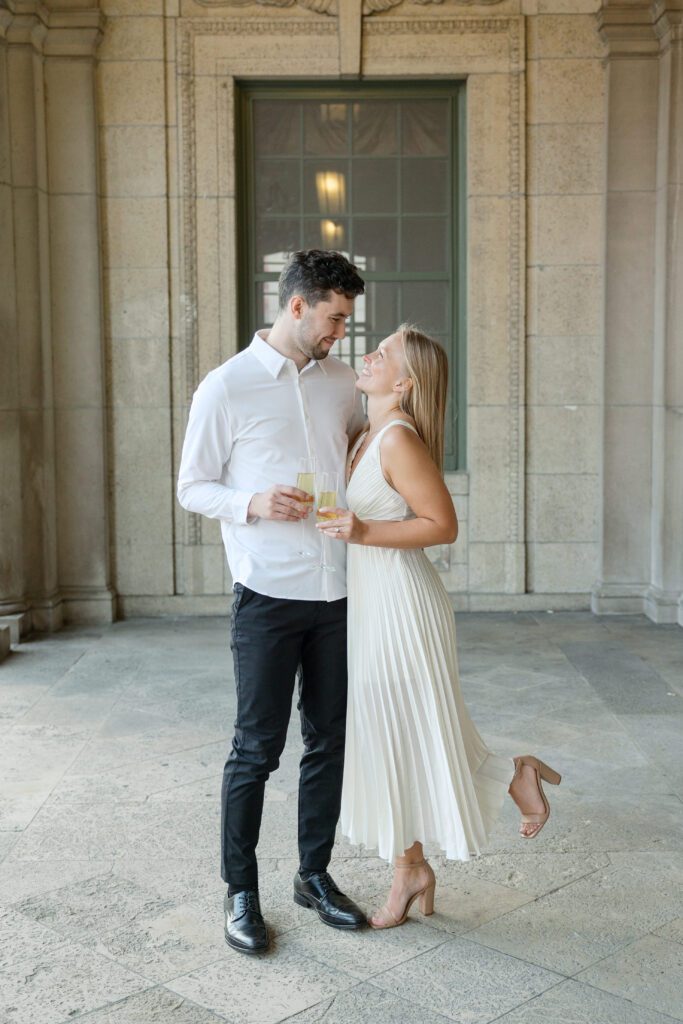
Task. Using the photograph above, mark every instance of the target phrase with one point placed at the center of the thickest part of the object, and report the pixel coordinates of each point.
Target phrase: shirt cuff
(240, 508)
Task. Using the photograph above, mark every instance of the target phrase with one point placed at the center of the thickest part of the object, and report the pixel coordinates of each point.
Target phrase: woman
(416, 770)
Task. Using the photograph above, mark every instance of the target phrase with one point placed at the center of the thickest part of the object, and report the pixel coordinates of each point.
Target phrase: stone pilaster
(664, 599)
(628, 27)
(77, 338)
(29, 579)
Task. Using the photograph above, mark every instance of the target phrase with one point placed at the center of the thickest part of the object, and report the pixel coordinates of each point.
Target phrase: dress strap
(393, 424)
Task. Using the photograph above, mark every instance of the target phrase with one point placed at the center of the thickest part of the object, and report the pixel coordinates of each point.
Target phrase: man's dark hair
(314, 273)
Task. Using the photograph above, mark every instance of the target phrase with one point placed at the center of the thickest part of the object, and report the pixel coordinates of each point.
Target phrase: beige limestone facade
(119, 259)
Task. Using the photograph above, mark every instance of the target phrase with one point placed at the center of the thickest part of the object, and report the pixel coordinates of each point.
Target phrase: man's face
(321, 325)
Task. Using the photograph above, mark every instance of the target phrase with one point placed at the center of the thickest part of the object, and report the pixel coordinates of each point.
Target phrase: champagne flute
(326, 495)
(305, 481)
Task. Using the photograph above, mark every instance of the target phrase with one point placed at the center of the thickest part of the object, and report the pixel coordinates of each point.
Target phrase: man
(282, 399)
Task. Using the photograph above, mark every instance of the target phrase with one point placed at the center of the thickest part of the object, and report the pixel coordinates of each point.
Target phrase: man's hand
(281, 502)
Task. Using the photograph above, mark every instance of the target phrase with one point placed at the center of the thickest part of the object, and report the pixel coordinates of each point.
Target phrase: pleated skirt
(415, 766)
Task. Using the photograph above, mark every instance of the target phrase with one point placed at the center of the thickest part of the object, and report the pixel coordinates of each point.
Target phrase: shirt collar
(272, 360)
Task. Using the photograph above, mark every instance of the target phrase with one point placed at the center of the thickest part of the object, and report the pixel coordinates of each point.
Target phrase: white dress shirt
(251, 420)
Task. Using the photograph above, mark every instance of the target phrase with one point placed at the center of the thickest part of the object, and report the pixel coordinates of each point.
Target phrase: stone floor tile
(38, 752)
(593, 917)
(262, 989)
(465, 982)
(103, 754)
(7, 842)
(92, 907)
(365, 952)
(366, 1004)
(460, 908)
(65, 831)
(62, 984)
(23, 939)
(21, 882)
(659, 739)
(190, 878)
(648, 972)
(626, 683)
(532, 873)
(154, 1006)
(170, 940)
(672, 930)
(573, 1003)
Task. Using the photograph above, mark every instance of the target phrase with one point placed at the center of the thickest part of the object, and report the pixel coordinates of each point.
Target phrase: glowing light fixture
(331, 234)
(331, 189)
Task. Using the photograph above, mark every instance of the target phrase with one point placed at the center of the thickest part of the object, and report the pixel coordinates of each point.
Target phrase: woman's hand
(342, 525)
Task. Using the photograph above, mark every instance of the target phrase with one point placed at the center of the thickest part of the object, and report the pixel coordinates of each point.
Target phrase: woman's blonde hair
(427, 366)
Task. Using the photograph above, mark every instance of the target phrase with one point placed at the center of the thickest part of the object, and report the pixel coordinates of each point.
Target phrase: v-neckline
(354, 450)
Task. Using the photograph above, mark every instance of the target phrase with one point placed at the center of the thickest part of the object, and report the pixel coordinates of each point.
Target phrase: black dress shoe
(333, 907)
(245, 928)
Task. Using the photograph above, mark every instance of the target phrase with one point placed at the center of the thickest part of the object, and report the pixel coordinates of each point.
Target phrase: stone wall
(117, 209)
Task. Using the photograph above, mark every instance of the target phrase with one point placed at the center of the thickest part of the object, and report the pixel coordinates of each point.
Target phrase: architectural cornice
(633, 28)
(57, 32)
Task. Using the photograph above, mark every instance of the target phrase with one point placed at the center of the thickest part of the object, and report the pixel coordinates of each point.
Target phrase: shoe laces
(248, 901)
(327, 883)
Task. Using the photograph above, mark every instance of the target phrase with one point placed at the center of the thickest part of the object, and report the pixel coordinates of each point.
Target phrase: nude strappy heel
(425, 896)
(542, 771)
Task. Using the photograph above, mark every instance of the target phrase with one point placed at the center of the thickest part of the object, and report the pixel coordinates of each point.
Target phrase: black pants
(272, 638)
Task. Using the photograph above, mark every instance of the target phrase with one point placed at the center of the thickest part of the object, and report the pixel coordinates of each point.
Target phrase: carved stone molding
(443, 26)
(318, 6)
(331, 7)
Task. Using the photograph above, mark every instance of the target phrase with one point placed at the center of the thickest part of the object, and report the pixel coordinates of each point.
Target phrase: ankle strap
(405, 867)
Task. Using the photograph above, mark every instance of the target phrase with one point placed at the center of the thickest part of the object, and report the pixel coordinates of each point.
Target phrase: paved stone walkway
(111, 748)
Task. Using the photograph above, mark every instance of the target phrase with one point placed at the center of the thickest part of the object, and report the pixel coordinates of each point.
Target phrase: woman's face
(383, 368)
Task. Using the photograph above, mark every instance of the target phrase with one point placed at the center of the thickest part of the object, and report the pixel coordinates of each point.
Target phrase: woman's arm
(410, 471)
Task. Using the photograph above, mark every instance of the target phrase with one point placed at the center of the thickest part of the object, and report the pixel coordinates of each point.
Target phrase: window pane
(277, 186)
(326, 233)
(266, 302)
(326, 187)
(342, 349)
(426, 303)
(375, 243)
(424, 186)
(423, 244)
(274, 240)
(375, 186)
(425, 128)
(326, 129)
(277, 128)
(381, 306)
(374, 129)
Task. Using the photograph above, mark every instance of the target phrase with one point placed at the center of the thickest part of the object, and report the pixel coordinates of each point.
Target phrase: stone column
(664, 599)
(27, 518)
(12, 585)
(77, 335)
(627, 27)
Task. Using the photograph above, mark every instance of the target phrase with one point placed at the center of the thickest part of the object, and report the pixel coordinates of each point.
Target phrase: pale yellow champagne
(306, 482)
(326, 498)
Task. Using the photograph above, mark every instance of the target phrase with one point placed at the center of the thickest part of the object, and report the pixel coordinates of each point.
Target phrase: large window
(375, 172)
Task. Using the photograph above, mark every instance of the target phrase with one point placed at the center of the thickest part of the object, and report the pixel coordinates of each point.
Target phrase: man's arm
(206, 450)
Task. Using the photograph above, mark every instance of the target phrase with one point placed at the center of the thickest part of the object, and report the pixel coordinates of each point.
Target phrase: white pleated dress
(415, 766)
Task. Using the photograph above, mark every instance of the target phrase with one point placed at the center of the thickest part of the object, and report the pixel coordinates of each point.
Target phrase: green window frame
(250, 277)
